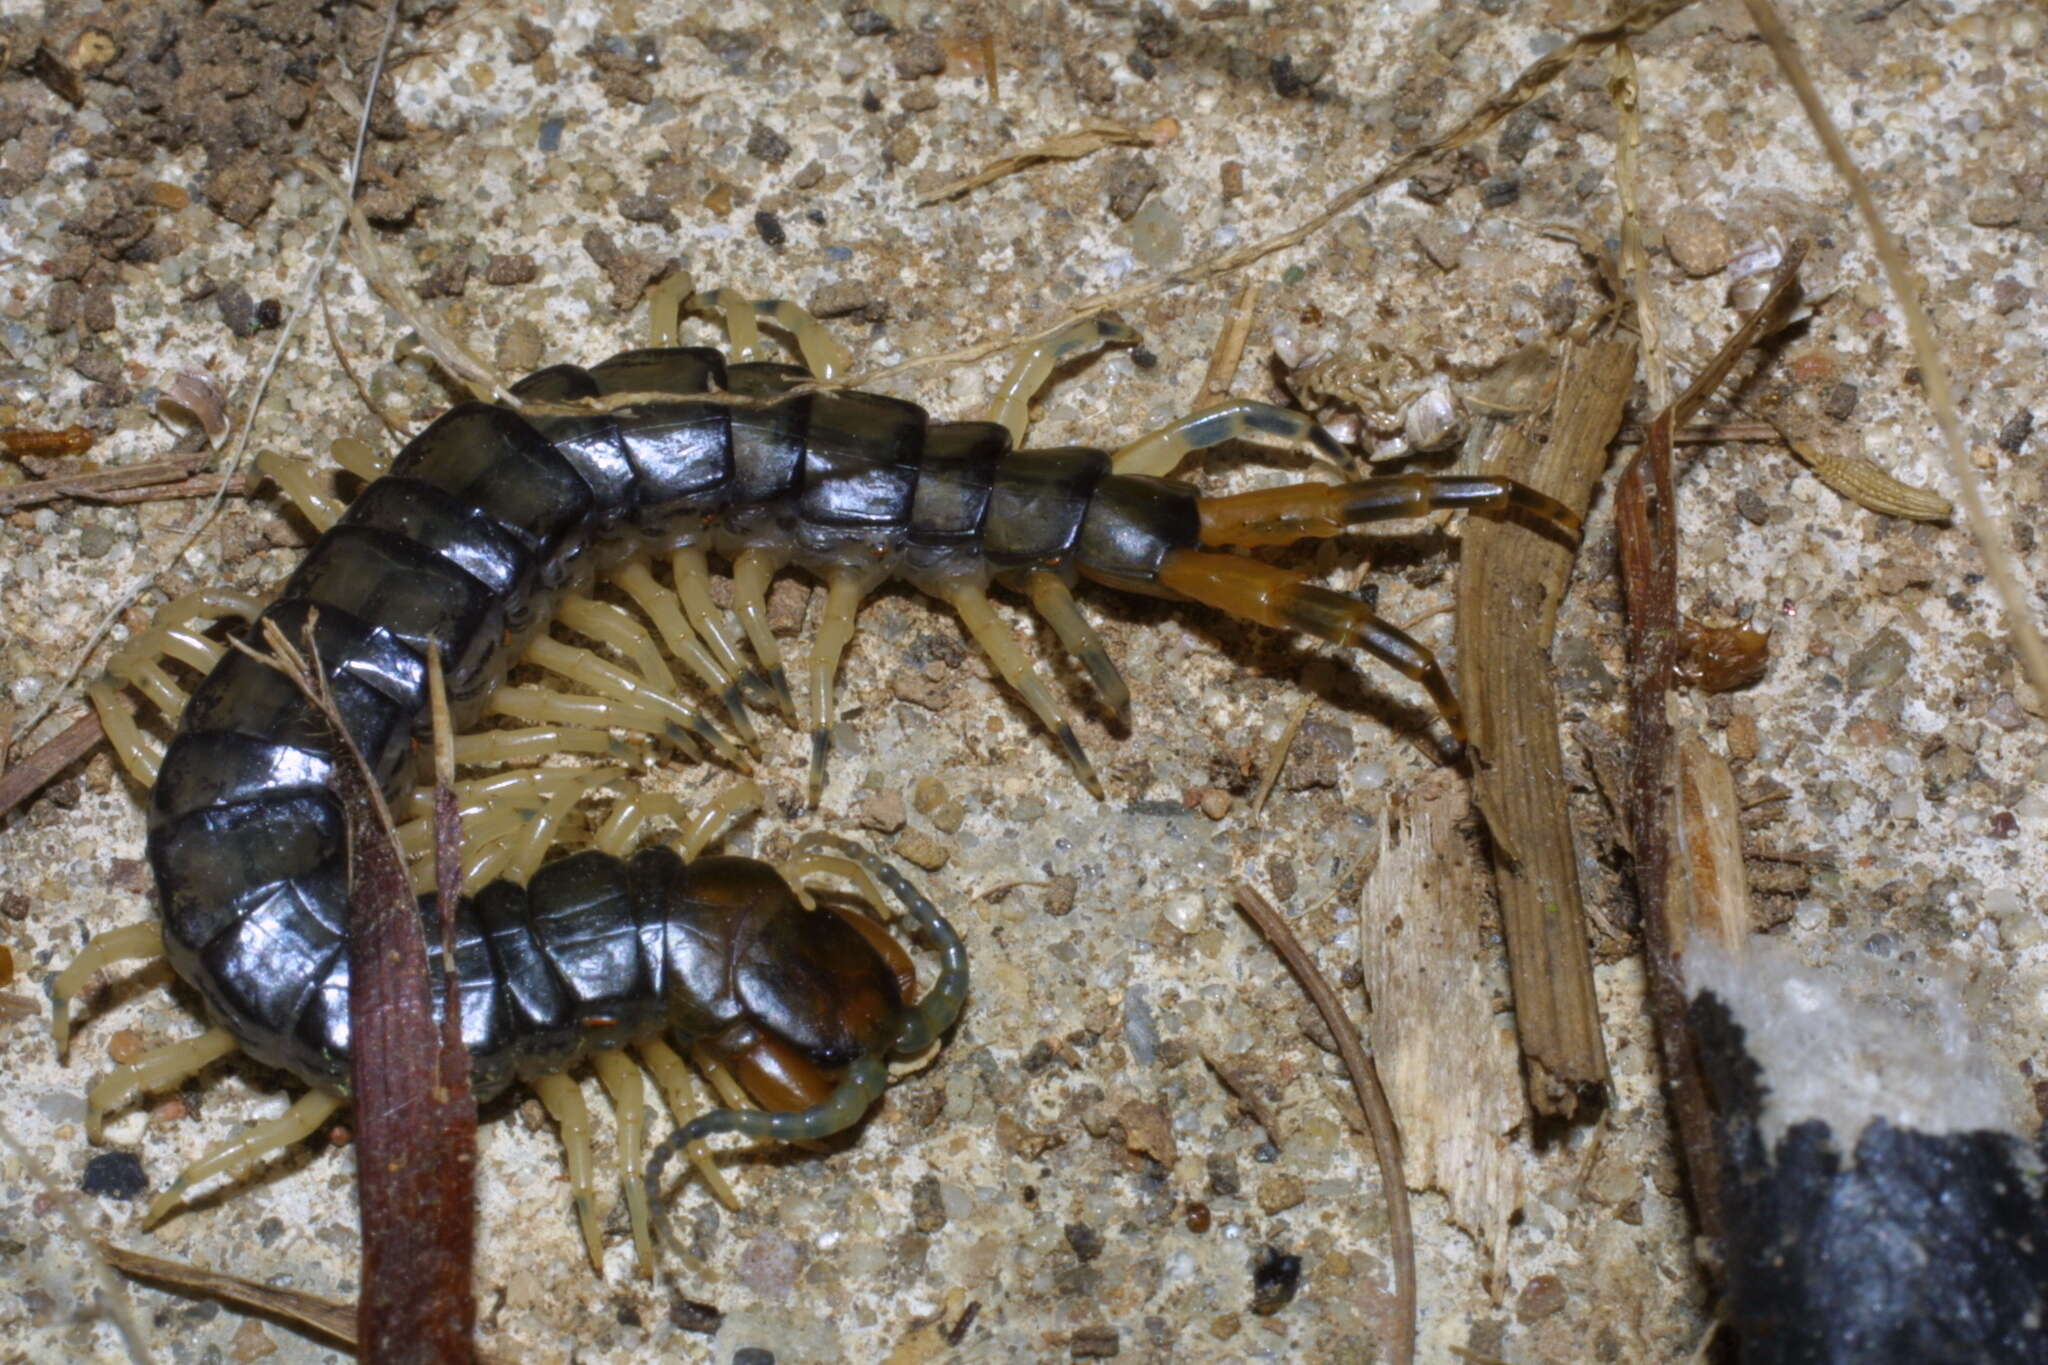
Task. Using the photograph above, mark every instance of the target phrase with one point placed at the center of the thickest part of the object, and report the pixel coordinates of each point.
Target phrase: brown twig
(29, 776)
(1646, 523)
(1365, 1083)
(135, 483)
(1509, 589)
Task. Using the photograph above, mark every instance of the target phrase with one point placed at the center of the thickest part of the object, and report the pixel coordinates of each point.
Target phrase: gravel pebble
(1698, 242)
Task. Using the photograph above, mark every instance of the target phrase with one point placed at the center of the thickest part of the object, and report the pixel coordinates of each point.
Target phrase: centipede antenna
(863, 1084)
(940, 1006)
(1056, 604)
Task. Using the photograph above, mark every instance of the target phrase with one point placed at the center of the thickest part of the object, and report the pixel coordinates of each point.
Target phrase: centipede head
(812, 991)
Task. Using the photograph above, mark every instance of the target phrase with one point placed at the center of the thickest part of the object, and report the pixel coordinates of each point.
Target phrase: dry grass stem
(1091, 137)
(1985, 529)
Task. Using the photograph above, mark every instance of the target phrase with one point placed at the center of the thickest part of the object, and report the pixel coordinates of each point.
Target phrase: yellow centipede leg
(628, 1093)
(254, 1143)
(564, 1101)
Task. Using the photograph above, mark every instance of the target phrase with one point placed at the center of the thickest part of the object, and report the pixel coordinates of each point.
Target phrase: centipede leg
(663, 608)
(1056, 604)
(564, 1102)
(1003, 650)
(1281, 516)
(752, 571)
(693, 589)
(844, 590)
(166, 1066)
(124, 944)
(1011, 406)
(1256, 591)
(174, 634)
(615, 627)
(622, 1081)
(295, 477)
(1160, 452)
(606, 678)
(254, 1143)
(672, 1077)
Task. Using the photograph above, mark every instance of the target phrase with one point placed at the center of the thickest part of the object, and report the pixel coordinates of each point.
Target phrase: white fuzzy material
(1855, 1040)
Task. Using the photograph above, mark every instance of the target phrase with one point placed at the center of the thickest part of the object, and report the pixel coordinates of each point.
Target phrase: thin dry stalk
(1985, 529)
(1365, 1083)
(1091, 137)
(329, 1319)
(134, 483)
(1509, 589)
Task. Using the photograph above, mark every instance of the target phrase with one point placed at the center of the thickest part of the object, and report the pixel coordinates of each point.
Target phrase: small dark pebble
(1840, 401)
(1029, 1194)
(1223, 1175)
(2015, 432)
(1287, 80)
(693, 1316)
(1198, 1218)
(753, 1355)
(1086, 1241)
(771, 229)
(628, 1315)
(870, 101)
(2004, 825)
(237, 309)
(518, 268)
(1265, 1153)
(118, 1175)
(1143, 358)
(765, 144)
(1275, 1278)
(927, 1205)
(269, 1230)
(1499, 192)
(269, 314)
(918, 56)
(1039, 1058)
(1751, 507)
(1094, 1343)
(550, 134)
(868, 23)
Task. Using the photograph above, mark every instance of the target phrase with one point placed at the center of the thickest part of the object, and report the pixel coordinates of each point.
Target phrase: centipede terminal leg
(1272, 596)
(1011, 406)
(254, 1143)
(1281, 516)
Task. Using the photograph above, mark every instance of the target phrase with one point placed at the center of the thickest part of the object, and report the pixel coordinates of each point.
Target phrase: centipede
(496, 525)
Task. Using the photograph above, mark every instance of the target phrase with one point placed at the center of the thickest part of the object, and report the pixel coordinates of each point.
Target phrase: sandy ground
(1070, 1165)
